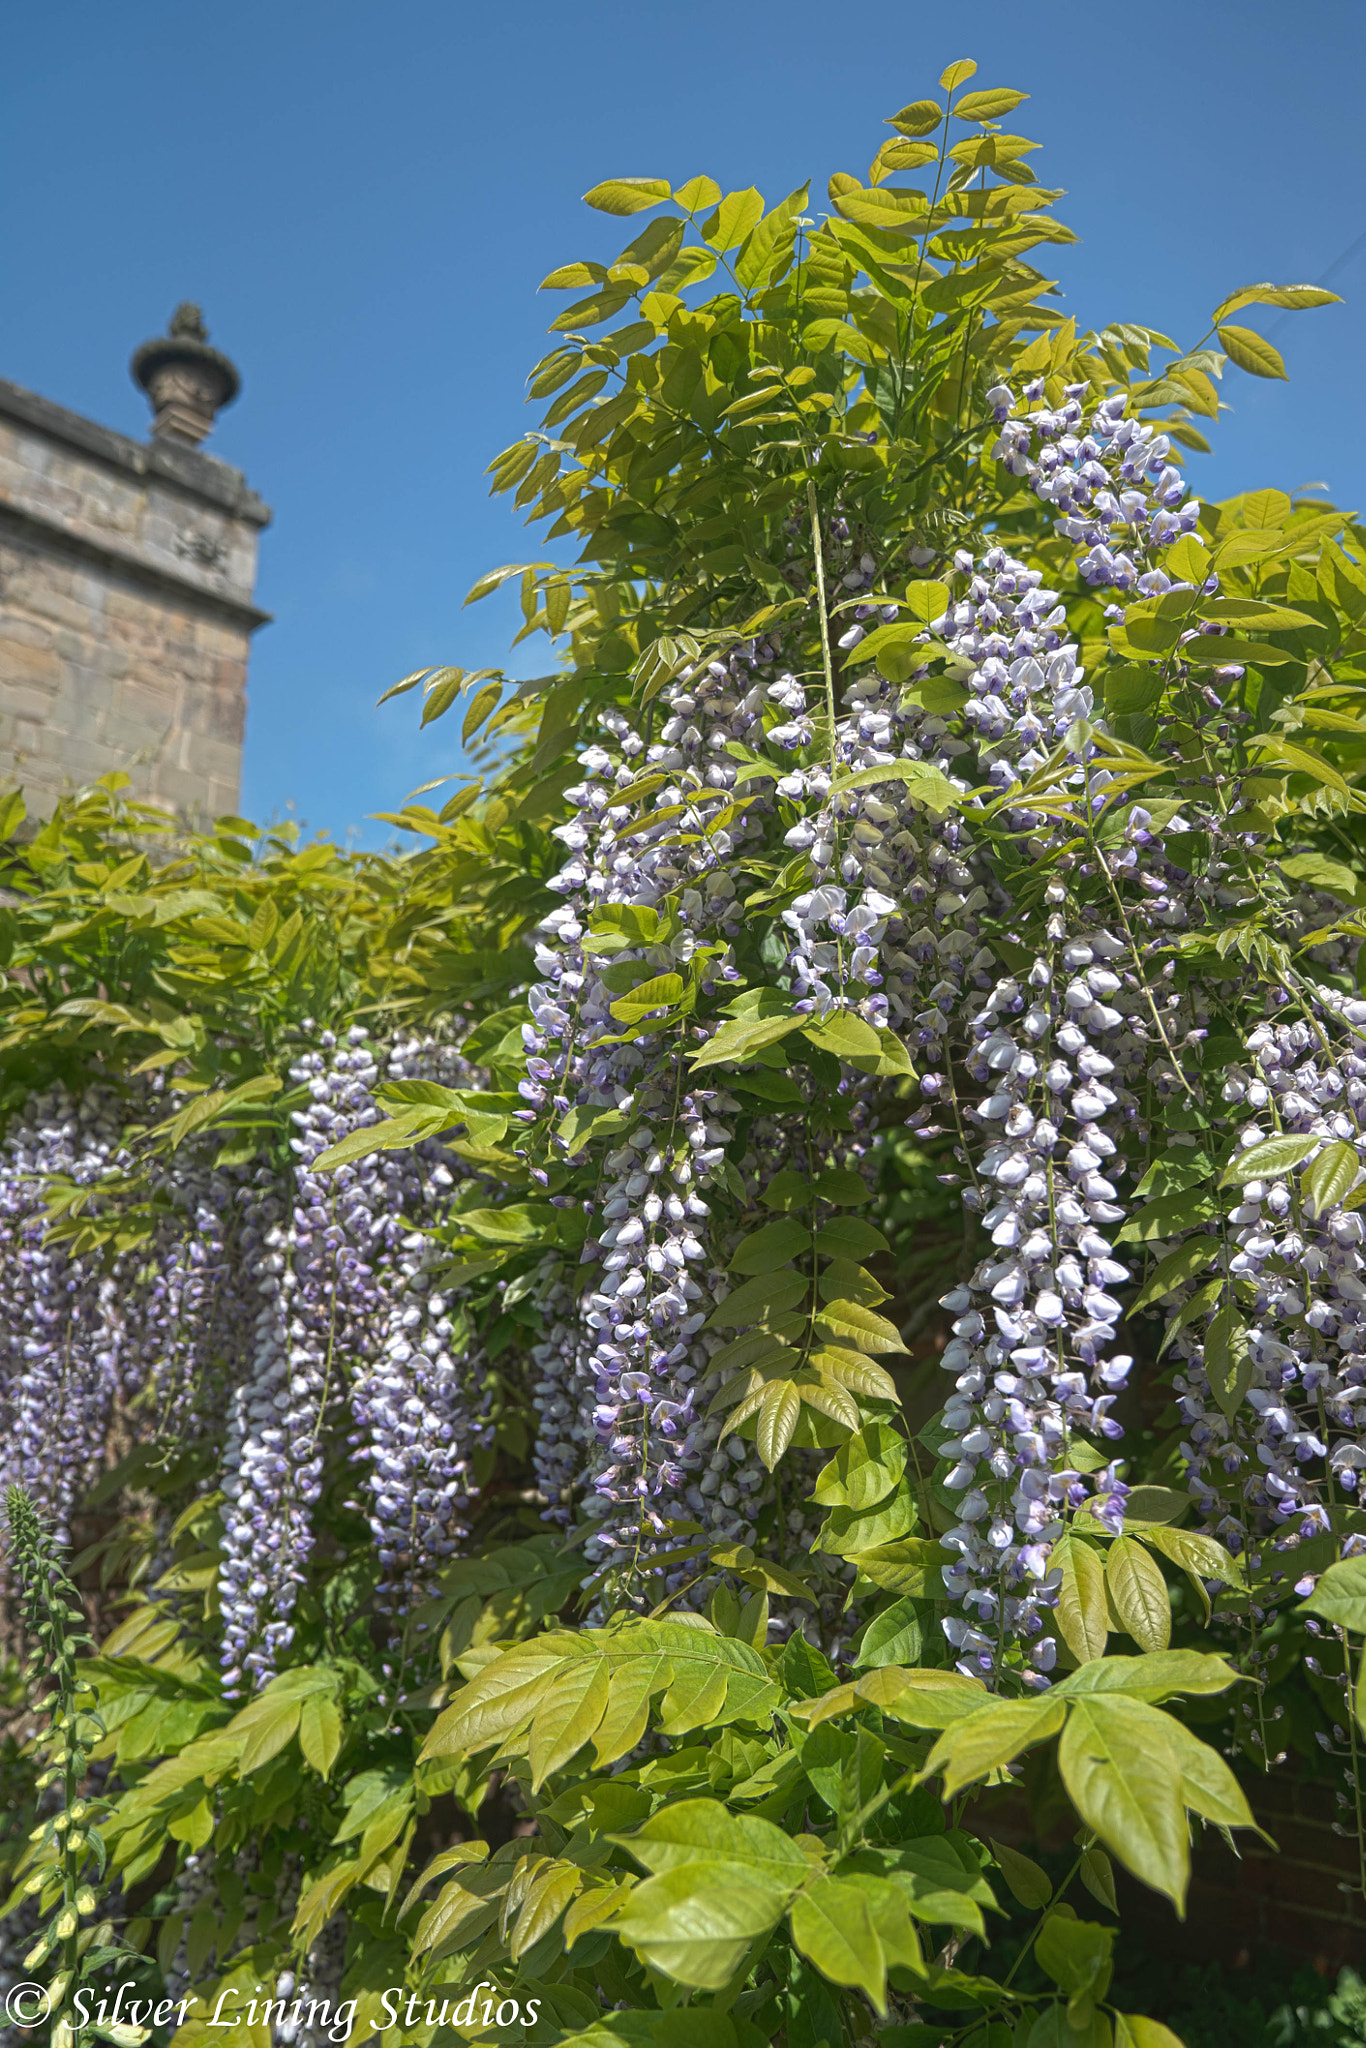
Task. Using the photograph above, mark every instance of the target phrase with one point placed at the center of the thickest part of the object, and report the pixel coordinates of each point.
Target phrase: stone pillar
(126, 579)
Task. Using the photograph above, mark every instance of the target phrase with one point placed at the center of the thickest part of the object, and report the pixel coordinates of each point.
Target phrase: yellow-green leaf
(320, 1732)
(628, 195)
(1138, 1594)
(993, 1736)
(1123, 1778)
(567, 1718)
(1082, 1614)
(1252, 352)
(778, 1413)
(832, 1926)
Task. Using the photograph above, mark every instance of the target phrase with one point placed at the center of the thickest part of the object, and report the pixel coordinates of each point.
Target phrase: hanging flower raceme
(634, 1353)
(319, 1303)
(66, 1335)
(1034, 1327)
(414, 1399)
(1273, 1389)
(194, 1324)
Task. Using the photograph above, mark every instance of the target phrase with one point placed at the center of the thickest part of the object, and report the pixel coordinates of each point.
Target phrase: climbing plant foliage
(647, 1389)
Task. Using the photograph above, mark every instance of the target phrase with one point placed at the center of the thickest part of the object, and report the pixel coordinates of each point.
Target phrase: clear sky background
(364, 195)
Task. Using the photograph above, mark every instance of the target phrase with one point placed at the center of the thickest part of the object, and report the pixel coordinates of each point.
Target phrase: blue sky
(364, 198)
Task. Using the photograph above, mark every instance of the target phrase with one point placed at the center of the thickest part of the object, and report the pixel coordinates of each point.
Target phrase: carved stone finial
(187, 322)
(187, 382)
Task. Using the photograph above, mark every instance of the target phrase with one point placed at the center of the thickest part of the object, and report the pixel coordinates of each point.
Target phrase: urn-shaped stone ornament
(186, 380)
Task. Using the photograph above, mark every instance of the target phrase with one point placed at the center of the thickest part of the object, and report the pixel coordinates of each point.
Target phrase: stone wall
(126, 615)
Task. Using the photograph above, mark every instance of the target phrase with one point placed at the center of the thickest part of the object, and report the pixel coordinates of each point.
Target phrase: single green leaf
(832, 1926)
(1208, 1786)
(1292, 297)
(1168, 1216)
(628, 195)
(738, 214)
(764, 1295)
(849, 1322)
(697, 193)
(927, 601)
(773, 1244)
(1175, 1270)
(1028, 1884)
(483, 706)
(842, 1186)
(1228, 1360)
(1098, 1875)
(1129, 689)
(1252, 352)
(849, 1530)
(1133, 2030)
(896, 1636)
(1124, 1780)
(1082, 1614)
(919, 118)
(923, 783)
(1138, 1594)
(1244, 612)
(705, 1831)
(696, 1923)
(1200, 1557)
(993, 1736)
(850, 1237)
(1330, 1178)
(567, 1717)
(742, 1037)
(844, 1034)
(778, 1415)
(648, 997)
(1076, 1953)
(863, 1471)
(320, 1732)
(1340, 1596)
(268, 1724)
(988, 103)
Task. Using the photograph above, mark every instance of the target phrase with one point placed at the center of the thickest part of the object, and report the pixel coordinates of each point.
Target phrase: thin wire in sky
(1334, 267)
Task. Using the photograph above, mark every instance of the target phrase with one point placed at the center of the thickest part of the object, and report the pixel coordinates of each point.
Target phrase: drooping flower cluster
(634, 1352)
(1115, 489)
(194, 1326)
(1035, 1325)
(347, 1302)
(65, 1338)
(1276, 1461)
